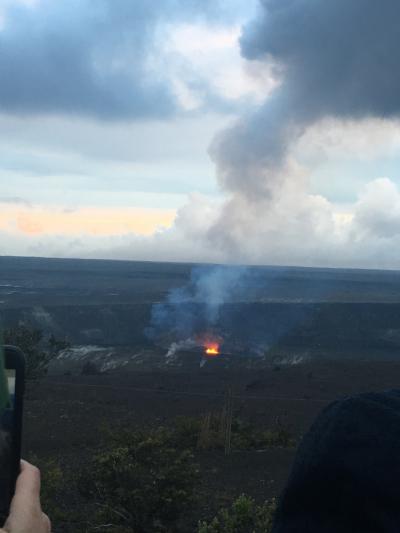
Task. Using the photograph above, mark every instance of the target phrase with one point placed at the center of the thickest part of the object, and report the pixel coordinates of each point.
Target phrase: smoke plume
(194, 309)
(335, 59)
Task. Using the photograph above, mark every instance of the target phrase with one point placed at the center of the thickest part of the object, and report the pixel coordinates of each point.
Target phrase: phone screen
(7, 414)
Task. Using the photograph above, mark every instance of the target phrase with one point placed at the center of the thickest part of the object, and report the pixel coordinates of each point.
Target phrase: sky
(257, 132)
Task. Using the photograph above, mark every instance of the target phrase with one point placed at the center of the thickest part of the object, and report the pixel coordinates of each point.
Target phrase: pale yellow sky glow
(90, 220)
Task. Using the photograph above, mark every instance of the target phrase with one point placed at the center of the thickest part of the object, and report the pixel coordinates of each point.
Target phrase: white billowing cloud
(334, 138)
(377, 213)
(297, 228)
(205, 62)
(184, 241)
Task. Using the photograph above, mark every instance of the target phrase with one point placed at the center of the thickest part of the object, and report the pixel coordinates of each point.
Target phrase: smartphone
(12, 384)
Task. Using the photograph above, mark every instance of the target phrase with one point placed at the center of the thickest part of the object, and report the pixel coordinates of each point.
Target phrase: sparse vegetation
(140, 481)
(52, 485)
(245, 436)
(208, 433)
(39, 350)
(244, 516)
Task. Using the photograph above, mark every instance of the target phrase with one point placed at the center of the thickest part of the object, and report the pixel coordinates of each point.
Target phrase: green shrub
(184, 432)
(244, 516)
(187, 433)
(146, 481)
(248, 437)
(279, 436)
(140, 481)
(52, 486)
(38, 350)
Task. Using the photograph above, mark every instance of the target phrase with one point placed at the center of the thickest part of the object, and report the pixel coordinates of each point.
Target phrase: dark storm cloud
(335, 58)
(89, 57)
(340, 57)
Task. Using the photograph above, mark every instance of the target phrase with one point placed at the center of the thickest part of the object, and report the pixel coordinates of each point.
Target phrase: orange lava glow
(212, 349)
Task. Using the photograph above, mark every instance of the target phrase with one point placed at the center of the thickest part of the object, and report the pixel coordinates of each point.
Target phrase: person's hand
(26, 514)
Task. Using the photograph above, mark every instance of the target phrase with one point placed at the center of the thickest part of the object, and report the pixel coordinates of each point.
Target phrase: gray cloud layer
(90, 58)
(339, 57)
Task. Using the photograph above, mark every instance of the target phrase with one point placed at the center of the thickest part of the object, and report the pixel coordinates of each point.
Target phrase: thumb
(27, 489)
(25, 510)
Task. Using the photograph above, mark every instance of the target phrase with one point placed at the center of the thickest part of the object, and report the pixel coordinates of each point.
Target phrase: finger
(46, 522)
(28, 480)
(27, 489)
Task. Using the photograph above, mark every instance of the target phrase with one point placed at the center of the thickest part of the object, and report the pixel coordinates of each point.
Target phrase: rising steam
(194, 309)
